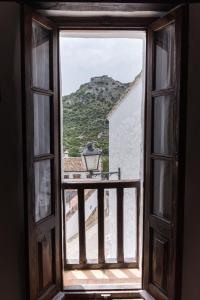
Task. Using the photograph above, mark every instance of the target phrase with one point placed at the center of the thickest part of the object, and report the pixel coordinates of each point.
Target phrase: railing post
(81, 222)
(138, 221)
(64, 227)
(101, 247)
(120, 225)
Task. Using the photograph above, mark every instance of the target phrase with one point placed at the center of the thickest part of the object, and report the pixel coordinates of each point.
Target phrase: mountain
(85, 111)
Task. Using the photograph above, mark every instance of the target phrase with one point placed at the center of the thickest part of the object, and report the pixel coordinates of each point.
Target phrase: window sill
(139, 294)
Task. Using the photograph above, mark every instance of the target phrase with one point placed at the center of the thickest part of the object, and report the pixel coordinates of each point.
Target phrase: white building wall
(125, 152)
(83, 175)
(125, 135)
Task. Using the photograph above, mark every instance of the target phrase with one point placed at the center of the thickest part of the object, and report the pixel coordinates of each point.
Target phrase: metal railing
(100, 186)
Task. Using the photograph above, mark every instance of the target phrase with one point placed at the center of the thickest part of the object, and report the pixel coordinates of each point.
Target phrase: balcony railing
(79, 206)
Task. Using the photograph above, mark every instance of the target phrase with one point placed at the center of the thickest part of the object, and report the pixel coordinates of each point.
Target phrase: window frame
(112, 23)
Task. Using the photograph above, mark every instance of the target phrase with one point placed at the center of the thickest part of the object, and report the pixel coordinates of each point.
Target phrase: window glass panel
(162, 188)
(164, 57)
(163, 125)
(41, 124)
(40, 56)
(42, 189)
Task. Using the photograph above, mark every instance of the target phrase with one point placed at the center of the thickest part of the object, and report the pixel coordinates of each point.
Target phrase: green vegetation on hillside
(85, 113)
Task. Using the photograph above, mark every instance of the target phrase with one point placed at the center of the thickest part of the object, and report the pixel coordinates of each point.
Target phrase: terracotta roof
(73, 164)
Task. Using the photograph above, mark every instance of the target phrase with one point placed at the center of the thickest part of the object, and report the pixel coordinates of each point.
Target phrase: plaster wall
(125, 152)
(12, 254)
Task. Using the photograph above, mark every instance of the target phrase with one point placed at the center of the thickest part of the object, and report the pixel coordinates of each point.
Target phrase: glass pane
(130, 225)
(164, 57)
(40, 56)
(41, 124)
(42, 189)
(163, 125)
(91, 225)
(71, 225)
(110, 224)
(162, 188)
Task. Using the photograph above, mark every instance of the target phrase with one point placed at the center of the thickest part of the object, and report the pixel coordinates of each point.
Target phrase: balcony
(98, 217)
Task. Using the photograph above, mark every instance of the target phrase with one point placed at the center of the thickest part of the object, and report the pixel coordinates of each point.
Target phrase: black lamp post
(91, 159)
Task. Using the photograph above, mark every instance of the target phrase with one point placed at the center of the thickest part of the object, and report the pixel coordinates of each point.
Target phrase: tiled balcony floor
(102, 279)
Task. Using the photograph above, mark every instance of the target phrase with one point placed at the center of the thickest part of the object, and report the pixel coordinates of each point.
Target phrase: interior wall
(191, 250)
(12, 265)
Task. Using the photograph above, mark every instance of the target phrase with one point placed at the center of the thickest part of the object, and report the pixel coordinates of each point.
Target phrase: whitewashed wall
(125, 152)
(83, 175)
(125, 134)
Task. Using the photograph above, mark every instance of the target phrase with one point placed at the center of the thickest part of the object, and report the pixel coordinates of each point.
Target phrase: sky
(83, 58)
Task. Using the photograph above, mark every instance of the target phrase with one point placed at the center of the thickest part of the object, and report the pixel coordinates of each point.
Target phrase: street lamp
(91, 158)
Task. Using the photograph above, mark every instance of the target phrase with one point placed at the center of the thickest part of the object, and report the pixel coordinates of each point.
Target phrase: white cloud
(83, 58)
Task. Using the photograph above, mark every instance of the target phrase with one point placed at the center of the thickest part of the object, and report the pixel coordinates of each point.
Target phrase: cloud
(83, 58)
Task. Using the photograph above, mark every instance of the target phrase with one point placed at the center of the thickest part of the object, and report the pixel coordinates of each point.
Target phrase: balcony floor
(104, 279)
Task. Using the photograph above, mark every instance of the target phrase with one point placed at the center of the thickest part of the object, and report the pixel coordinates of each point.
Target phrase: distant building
(74, 168)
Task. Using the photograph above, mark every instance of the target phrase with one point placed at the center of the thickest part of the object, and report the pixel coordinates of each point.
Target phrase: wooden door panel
(160, 257)
(46, 261)
(43, 161)
(164, 156)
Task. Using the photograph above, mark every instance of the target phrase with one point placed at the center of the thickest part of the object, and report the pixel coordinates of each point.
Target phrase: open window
(103, 88)
(163, 171)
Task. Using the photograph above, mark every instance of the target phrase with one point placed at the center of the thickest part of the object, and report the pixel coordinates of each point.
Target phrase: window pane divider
(163, 92)
(50, 220)
(162, 156)
(43, 157)
(42, 91)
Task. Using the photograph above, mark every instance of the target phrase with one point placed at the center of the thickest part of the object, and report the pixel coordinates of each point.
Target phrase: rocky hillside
(85, 111)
